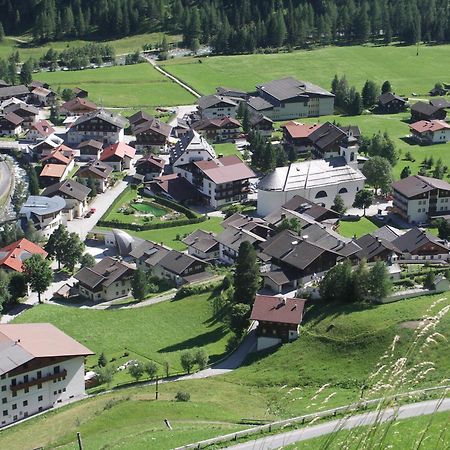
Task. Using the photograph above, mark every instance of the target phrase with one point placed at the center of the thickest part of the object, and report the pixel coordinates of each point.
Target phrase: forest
(234, 26)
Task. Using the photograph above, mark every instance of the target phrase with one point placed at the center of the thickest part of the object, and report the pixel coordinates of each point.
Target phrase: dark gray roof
(177, 262)
(91, 143)
(259, 104)
(304, 206)
(233, 238)
(29, 109)
(201, 240)
(209, 101)
(387, 97)
(140, 115)
(414, 239)
(70, 188)
(41, 206)
(440, 103)
(387, 233)
(418, 184)
(424, 108)
(98, 168)
(326, 135)
(289, 88)
(101, 114)
(372, 247)
(154, 125)
(13, 91)
(256, 119)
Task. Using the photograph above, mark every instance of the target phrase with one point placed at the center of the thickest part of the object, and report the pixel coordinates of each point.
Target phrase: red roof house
(431, 131)
(13, 255)
(118, 155)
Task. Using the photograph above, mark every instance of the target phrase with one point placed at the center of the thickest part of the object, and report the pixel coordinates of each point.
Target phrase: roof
(91, 143)
(59, 155)
(233, 237)
(417, 184)
(29, 109)
(70, 188)
(299, 130)
(98, 168)
(440, 103)
(149, 251)
(225, 170)
(326, 135)
(224, 122)
(259, 104)
(13, 118)
(277, 309)
(105, 272)
(41, 206)
(119, 149)
(256, 119)
(414, 239)
(13, 91)
(151, 159)
(78, 90)
(424, 108)
(310, 174)
(279, 277)
(77, 103)
(372, 247)
(175, 186)
(387, 233)
(42, 91)
(200, 240)
(43, 127)
(53, 170)
(388, 97)
(191, 141)
(140, 116)
(289, 88)
(155, 126)
(20, 343)
(99, 114)
(13, 255)
(424, 126)
(209, 101)
(177, 262)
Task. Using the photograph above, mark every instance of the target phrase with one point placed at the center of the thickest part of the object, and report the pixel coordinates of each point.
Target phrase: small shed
(441, 284)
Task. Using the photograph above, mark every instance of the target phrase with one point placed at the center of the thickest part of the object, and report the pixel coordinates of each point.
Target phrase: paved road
(404, 412)
(5, 179)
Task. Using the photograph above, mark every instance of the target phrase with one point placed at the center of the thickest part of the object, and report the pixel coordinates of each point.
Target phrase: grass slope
(132, 86)
(361, 227)
(407, 72)
(338, 346)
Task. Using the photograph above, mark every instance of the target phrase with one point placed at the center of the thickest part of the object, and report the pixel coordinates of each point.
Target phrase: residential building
(139, 118)
(288, 98)
(62, 155)
(278, 320)
(441, 103)
(191, 147)
(375, 249)
(261, 124)
(234, 94)
(80, 93)
(13, 255)
(150, 167)
(20, 92)
(43, 97)
(225, 129)
(216, 107)
(28, 113)
(152, 134)
(44, 212)
(173, 187)
(296, 136)
(41, 367)
(53, 173)
(417, 244)
(99, 125)
(202, 245)
(46, 146)
(430, 131)
(107, 280)
(147, 255)
(40, 130)
(90, 150)
(328, 139)
(77, 107)
(389, 103)
(417, 199)
(10, 124)
(119, 156)
(425, 111)
(98, 172)
(75, 194)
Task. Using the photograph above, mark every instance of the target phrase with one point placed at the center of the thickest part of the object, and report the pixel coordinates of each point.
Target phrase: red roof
(60, 156)
(225, 170)
(119, 149)
(53, 170)
(277, 309)
(79, 103)
(300, 130)
(43, 127)
(429, 125)
(14, 254)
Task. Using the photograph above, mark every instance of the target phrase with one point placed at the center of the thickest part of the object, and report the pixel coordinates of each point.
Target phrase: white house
(431, 131)
(191, 147)
(40, 368)
(216, 107)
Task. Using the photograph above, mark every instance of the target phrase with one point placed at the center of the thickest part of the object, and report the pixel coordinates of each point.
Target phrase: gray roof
(424, 108)
(259, 104)
(91, 143)
(101, 114)
(289, 88)
(70, 188)
(209, 101)
(177, 262)
(441, 103)
(12, 91)
(372, 247)
(233, 238)
(200, 240)
(256, 119)
(326, 135)
(41, 206)
(387, 233)
(154, 125)
(98, 168)
(191, 140)
(387, 97)
(415, 238)
(418, 184)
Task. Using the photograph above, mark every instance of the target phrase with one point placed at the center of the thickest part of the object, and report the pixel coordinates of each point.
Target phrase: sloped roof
(155, 126)
(424, 108)
(100, 114)
(300, 130)
(372, 246)
(388, 97)
(277, 309)
(177, 262)
(200, 240)
(53, 170)
(59, 155)
(191, 141)
(424, 126)
(77, 103)
(175, 186)
(209, 101)
(91, 143)
(414, 239)
(43, 127)
(70, 188)
(13, 118)
(225, 170)
(153, 160)
(98, 168)
(289, 88)
(12, 91)
(13, 255)
(418, 184)
(119, 149)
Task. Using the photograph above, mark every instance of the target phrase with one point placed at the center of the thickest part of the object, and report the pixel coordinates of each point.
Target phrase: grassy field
(400, 434)
(227, 149)
(361, 227)
(407, 72)
(158, 332)
(132, 86)
(121, 46)
(322, 369)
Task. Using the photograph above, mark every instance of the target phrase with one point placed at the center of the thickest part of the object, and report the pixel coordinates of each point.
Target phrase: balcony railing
(36, 380)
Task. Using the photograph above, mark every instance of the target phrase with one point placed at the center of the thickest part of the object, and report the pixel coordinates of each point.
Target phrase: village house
(425, 111)
(119, 156)
(60, 155)
(100, 125)
(90, 150)
(296, 136)
(173, 187)
(40, 130)
(389, 103)
(75, 194)
(234, 94)
(261, 124)
(150, 167)
(20, 92)
(15, 254)
(80, 93)
(53, 173)
(107, 280)
(278, 320)
(225, 129)
(77, 107)
(46, 146)
(430, 132)
(10, 124)
(28, 113)
(152, 134)
(417, 199)
(42, 367)
(441, 103)
(138, 119)
(98, 172)
(202, 245)
(44, 212)
(43, 97)
(64, 150)
(216, 107)
(288, 98)
(147, 254)
(375, 249)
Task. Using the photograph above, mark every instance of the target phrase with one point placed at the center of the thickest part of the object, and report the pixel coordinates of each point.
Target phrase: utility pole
(80, 442)
(156, 389)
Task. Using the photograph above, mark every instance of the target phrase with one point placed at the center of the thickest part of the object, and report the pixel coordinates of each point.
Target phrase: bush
(188, 290)
(150, 226)
(182, 396)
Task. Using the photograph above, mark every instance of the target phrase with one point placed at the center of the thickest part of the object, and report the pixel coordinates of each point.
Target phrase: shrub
(182, 396)
(201, 358)
(149, 226)
(188, 290)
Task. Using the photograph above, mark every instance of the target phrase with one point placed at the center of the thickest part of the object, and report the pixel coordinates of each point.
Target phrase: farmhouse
(296, 136)
(425, 111)
(416, 244)
(28, 113)
(99, 125)
(278, 319)
(191, 147)
(43, 97)
(150, 167)
(10, 124)
(90, 150)
(80, 93)
(152, 134)
(13, 255)
(216, 107)
(107, 280)
(77, 107)
(389, 103)
(147, 254)
(219, 130)
(417, 198)
(119, 156)
(431, 132)
(98, 172)
(289, 98)
(138, 119)
(41, 367)
(376, 249)
(53, 173)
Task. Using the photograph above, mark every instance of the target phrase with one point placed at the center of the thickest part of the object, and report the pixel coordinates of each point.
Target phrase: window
(39, 386)
(40, 398)
(14, 394)
(4, 400)
(321, 194)
(14, 406)
(5, 412)
(25, 403)
(39, 374)
(56, 369)
(3, 388)
(26, 390)
(25, 378)
(343, 190)
(55, 392)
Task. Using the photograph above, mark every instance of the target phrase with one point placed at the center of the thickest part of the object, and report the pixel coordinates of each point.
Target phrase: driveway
(403, 412)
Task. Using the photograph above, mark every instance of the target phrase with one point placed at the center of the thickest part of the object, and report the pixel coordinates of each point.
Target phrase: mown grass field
(361, 227)
(324, 368)
(132, 86)
(159, 332)
(125, 45)
(227, 149)
(407, 72)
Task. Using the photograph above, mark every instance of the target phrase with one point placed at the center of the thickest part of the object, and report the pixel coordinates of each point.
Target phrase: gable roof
(190, 141)
(13, 91)
(388, 97)
(259, 104)
(300, 130)
(414, 239)
(119, 149)
(200, 240)
(70, 188)
(224, 122)
(209, 101)
(225, 170)
(417, 184)
(58, 154)
(98, 168)
(425, 126)
(13, 255)
(99, 114)
(256, 119)
(53, 170)
(175, 186)
(91, 143)
(277, 309)
(372, 247)
(177, 262)
(13, 118)
(43, 127)
(326, 134)
(24, 107)
(440, 103)
(304, 206)
(152, 160)
(424, 108)
(153, 125)
(139, 116)
(290, 88)
(77, 103)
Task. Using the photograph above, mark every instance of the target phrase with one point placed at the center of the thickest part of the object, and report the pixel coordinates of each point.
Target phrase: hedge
(150, 226)
(195, 289)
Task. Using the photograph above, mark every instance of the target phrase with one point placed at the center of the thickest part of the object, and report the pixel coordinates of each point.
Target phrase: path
(171, 77)
(403, 412)
(5, 179)
(151, 301)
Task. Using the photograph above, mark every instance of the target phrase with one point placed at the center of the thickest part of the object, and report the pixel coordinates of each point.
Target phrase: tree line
(233, 26)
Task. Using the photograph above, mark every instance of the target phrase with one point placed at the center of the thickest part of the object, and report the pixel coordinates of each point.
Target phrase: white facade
(13, 132)
(75, 137)
(61, 382)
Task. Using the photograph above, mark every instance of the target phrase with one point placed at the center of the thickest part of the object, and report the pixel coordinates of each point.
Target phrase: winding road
(403, 412)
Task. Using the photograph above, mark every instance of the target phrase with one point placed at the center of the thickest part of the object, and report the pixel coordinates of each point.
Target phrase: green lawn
(407, 72)
(158, 332)
(339, 347)
(400, 434)
(360, 228)
(227, 149)
(135, 86)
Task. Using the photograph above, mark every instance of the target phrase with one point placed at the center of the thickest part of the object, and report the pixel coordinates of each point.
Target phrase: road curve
(404, 412)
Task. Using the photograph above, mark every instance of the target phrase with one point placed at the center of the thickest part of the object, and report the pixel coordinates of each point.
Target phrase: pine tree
(246, 276)
(386, 87)
(369, 93)
(26, 73)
